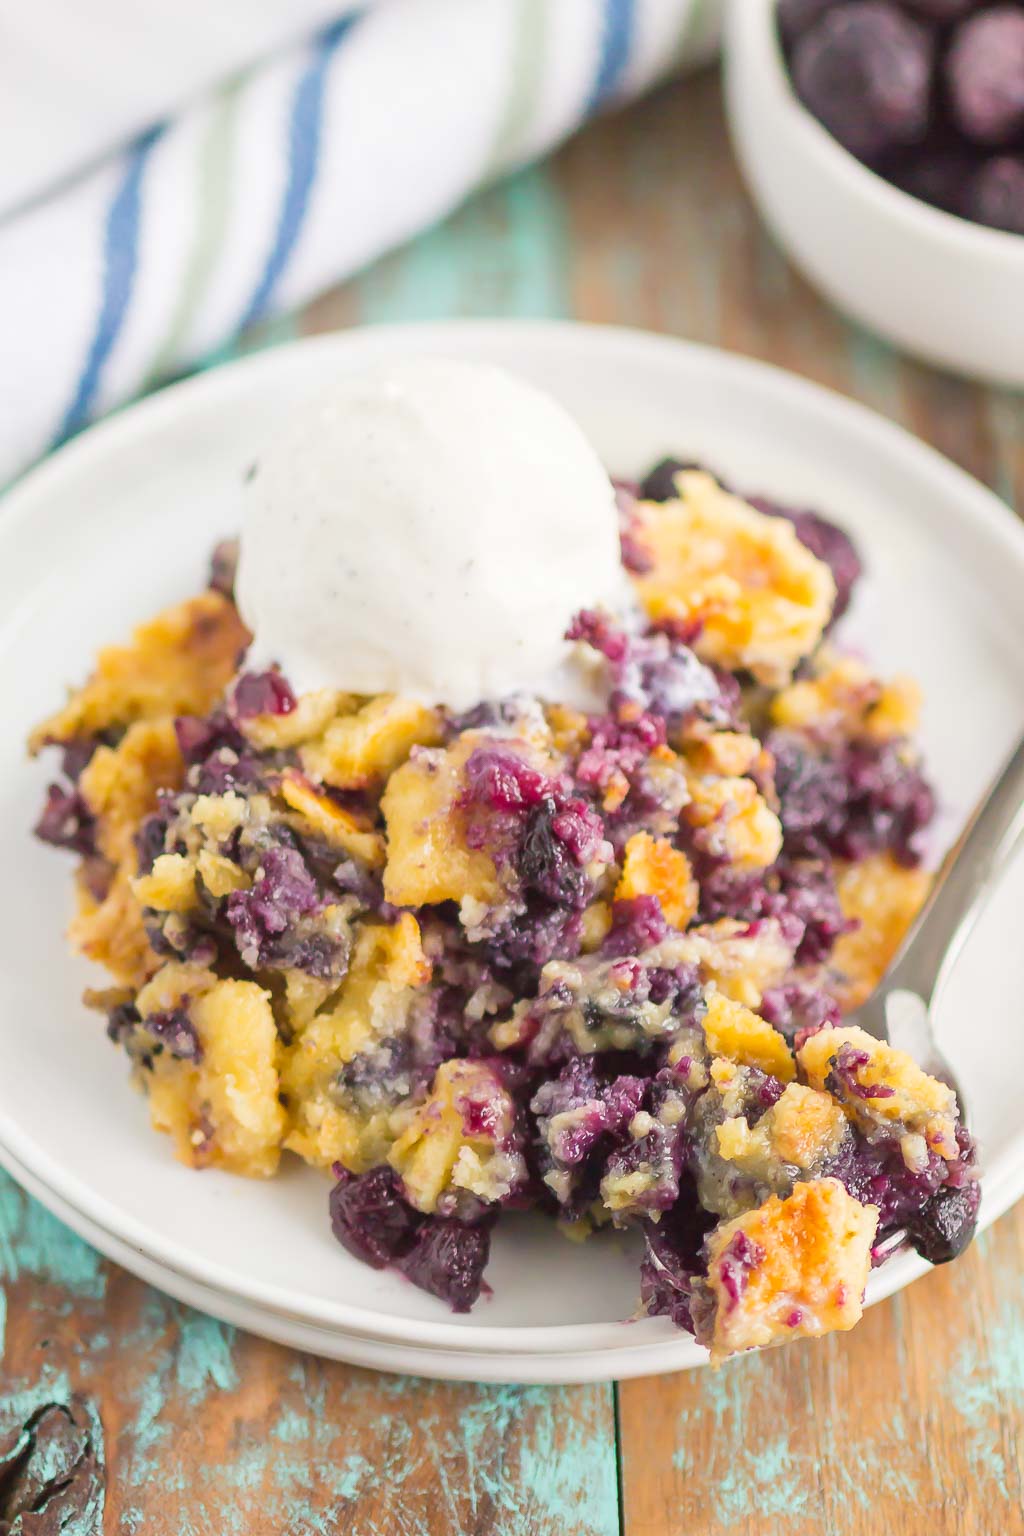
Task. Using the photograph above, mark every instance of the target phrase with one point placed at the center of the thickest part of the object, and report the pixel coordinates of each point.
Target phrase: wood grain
(212, 1433)
(910, 1426)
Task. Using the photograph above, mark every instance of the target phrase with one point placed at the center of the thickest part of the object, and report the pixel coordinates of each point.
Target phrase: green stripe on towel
(213, 200)
(517, 115)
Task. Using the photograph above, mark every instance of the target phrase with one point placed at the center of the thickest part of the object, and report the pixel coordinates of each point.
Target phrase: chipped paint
(525, 1458)
(34, 1242)
(292, 1427)
(148, 1437)
(1004, 414)
(19, 1402)
(780, 1477)
(776, 1472)
(575, 1482)
(981, 1391)
(503, 252)
(204, 1356)
(771, 1479)
(875, 371)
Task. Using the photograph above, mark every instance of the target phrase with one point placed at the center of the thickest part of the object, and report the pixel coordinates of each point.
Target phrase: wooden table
(913, 1425)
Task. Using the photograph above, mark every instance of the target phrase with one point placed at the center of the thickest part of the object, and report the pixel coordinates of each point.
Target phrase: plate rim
(977, 505)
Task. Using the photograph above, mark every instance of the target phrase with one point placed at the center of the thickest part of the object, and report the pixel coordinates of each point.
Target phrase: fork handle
(962, 885)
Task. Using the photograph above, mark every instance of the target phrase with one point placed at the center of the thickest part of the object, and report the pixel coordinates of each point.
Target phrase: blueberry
(200, 736)
(370, 1218)
(67, 822)
(798, 1006)
(77, 754)
(865, 71)
(283, 891)
(985, 75)
(673, 1260)
(941, 11)
(580, 1113)
(938, 176)
(176, 1033)
(736, 1265)
(811, 908)
(795, 16)
(633, 553)
(122, 1021)
(448, 1259)
(544, 866)
(811, 789)
(859, 800)
(995, 194)
(659, 484)
(502, 781)
(638, 923)
(261, 693)
(836, 548)
(942, 1229)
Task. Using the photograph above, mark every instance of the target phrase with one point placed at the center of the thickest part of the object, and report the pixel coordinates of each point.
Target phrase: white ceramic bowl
(947, 290)
(122, 520)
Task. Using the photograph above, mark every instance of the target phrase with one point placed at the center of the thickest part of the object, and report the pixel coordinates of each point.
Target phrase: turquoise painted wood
(208, 1431)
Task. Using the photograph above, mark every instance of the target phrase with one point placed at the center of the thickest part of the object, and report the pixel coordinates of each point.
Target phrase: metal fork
(900, 1009)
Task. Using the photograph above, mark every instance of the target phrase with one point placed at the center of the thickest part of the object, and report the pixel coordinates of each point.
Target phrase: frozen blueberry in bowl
(984, 71)
(940, 173)
(942, 11)
(994, 194)
(797, 16)
(865, 130)
(927, 92)
(864, 69)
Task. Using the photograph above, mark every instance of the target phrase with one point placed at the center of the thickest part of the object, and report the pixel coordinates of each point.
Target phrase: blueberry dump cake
(593, 962)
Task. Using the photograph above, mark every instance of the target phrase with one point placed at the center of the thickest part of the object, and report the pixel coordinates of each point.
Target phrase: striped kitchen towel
(283, 181)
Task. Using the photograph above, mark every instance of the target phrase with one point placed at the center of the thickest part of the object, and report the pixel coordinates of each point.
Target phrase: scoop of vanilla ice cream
(428, 528)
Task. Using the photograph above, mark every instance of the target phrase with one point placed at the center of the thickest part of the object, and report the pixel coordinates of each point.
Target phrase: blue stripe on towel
(617, 27)
(120, 259)
(304, 152)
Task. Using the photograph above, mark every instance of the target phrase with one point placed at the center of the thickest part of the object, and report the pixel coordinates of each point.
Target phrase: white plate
(121, 522)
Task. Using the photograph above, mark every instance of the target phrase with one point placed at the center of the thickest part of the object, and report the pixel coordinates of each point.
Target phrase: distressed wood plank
(209, 1432)
(910, 1426)
(504, 253)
